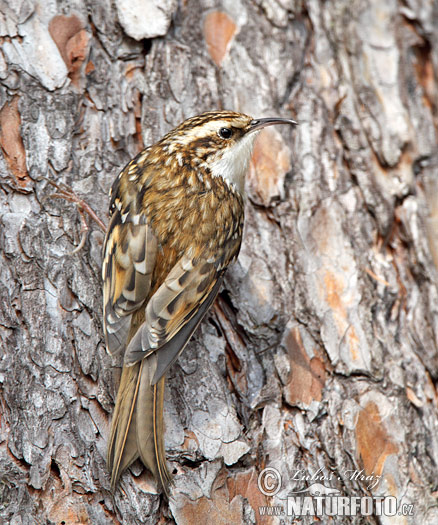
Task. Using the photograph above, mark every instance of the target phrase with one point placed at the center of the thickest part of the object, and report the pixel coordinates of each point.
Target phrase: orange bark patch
(353, 341)
(72, 41)
(219, 30)
(374, 444)
(270, 163)
(190, 441)
(335, 288)
(89, 68)
(219, 510)
(245, 484)
(12, 143)
(61, 506)
(226, 503)
(307, 377)
(68, 511)
(411, 395)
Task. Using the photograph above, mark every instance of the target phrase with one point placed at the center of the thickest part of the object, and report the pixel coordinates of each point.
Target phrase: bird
(176, 222)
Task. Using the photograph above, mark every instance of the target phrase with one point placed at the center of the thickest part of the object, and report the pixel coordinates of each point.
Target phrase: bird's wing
(171, 349)
(129, 260)
(174, 312)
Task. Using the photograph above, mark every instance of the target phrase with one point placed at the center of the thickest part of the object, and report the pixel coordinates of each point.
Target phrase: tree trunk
(319, 359)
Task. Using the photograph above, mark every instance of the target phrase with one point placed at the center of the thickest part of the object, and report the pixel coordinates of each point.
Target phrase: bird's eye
(225, 133)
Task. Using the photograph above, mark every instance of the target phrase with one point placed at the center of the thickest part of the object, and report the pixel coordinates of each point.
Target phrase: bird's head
(219, 141)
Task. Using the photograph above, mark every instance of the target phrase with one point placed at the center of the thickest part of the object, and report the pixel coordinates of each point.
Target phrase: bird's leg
(83, 231)
(68, 194)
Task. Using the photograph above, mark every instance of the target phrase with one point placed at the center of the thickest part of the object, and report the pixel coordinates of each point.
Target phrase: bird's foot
(67, 193)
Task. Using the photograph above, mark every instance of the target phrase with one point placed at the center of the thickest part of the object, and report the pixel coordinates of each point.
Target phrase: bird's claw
(68, 194)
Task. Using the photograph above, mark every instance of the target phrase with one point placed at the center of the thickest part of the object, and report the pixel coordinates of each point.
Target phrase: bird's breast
(194, 214)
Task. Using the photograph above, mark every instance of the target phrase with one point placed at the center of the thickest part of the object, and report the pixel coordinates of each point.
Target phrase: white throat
(232, 163)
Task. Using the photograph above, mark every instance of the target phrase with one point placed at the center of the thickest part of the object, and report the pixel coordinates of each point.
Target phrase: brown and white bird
(176, 224)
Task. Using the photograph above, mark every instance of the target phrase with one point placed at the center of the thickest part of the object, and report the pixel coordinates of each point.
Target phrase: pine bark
(319, 358)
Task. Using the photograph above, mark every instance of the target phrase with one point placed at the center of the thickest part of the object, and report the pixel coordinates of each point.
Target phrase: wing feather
(129, 260)
(188, 289)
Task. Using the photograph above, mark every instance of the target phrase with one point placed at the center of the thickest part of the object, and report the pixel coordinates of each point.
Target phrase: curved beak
(257, 124)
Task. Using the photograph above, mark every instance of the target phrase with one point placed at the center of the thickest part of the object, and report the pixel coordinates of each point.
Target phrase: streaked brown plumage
(176, 224)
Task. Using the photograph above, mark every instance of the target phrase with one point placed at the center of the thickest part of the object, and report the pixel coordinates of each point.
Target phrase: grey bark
(320, 357)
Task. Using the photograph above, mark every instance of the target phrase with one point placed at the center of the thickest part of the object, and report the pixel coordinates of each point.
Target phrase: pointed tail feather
(137, 428)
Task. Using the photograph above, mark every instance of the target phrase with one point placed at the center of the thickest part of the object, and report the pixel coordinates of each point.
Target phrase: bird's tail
(137, 427)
